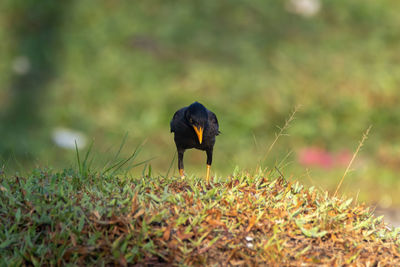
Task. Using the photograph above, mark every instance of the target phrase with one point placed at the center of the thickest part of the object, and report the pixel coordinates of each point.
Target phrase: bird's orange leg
(182, 173)
(180, 162)
(208, 174)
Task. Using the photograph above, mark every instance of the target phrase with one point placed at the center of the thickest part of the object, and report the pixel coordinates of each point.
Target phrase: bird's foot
(182, 173)
(208, 174)
(207, 188)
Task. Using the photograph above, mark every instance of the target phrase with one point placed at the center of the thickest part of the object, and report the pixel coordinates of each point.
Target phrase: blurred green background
(105, 68)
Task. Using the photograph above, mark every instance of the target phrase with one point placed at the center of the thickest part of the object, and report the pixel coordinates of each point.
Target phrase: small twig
(255, 140)
(276, 168)
(281, 132)
(365, 136)
(356, 199)
(309, 176)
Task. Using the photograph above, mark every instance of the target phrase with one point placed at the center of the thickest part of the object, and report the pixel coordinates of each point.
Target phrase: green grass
(59, 218)
(109, 68)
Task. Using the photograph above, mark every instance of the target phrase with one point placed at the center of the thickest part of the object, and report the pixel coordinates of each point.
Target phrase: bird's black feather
(185, 136)
(182, 125)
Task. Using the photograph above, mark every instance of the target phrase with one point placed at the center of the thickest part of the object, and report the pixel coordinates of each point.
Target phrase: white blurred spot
(249, 238)
(21, 65)
(305, 8)
(250, 245)
(66, 138)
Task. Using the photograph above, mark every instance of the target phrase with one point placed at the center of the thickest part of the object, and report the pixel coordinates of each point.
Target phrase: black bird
(194, 126)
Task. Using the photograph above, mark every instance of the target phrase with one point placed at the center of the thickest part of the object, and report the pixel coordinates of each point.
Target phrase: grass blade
(365, 136)
(78, 158)
(170, 165)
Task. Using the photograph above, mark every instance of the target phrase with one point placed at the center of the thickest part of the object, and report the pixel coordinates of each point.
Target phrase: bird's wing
(176, 119)
(213, 122)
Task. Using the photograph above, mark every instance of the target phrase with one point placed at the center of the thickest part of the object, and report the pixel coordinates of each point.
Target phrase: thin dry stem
(281, 132)
(365, 136)
(309, 176)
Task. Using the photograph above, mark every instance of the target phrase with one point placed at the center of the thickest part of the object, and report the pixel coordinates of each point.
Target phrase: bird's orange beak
(199, 132)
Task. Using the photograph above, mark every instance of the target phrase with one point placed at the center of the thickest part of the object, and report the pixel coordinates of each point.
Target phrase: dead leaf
(122, 261)
(73, 239)
(215, 222)
(139, 213)
(167, 234)
(251, 223)
(134, 203)
(184, 236)
(96, 214)
(237, 263)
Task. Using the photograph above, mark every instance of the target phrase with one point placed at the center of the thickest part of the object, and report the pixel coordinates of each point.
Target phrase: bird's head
(197, 117)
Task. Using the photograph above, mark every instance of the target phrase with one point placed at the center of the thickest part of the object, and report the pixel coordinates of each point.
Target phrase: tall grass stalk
(365, 136)
(111, 167)
(170, 165)
(282, 132)
(118, 164)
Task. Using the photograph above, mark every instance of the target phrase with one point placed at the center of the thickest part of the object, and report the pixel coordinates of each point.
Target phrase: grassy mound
(51, 218)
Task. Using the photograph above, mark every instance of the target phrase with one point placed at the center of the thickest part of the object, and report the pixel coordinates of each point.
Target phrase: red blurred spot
(320, 157)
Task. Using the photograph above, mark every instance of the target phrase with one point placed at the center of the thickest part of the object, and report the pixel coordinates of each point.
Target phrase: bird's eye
(190, 120)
